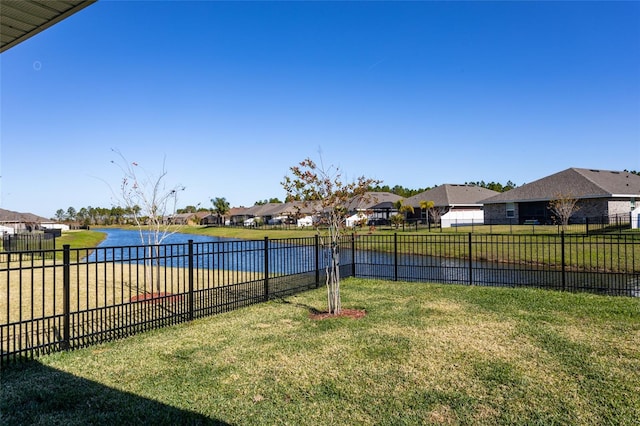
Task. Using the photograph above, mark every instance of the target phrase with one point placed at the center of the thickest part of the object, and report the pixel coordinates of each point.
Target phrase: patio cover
(20, 20)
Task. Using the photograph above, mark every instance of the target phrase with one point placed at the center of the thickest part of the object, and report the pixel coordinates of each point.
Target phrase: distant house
(297, 209)
(356, 219)
(181, 218)
(272, 212)
(206, 218)
(599, 193)
(6, 230)
(21, 222)
(459, 204)
(237, 215)
(265, 212)
(55, 225)
(374, 204)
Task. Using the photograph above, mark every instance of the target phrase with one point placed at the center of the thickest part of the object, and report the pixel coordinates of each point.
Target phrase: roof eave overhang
(44, 24)
(466, 205)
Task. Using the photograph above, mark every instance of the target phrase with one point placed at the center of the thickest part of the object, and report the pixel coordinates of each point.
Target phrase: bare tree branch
(152, 204)
(323, 189)
(563, 206)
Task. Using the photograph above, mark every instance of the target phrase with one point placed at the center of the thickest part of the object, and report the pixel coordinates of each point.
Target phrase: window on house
(511, 210)
(633, 204)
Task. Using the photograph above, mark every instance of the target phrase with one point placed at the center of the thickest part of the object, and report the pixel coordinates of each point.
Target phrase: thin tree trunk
(333, 281)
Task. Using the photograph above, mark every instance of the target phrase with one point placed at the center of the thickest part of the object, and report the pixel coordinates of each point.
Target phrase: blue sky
(231, 94)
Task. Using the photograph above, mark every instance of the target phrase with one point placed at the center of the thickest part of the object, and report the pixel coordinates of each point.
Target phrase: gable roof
(451, 195)
(373, 200)
(237, 211)
(576, 183)
(293, 208)
(11, 216)
(203, 214)
(268, 209)
(274, 209)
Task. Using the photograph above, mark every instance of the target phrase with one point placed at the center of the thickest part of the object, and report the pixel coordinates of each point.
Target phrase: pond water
(290, 258)
(127, 237)
(210, 252)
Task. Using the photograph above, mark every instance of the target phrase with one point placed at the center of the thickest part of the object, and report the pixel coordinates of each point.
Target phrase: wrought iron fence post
(470, 247)
(66, 284)
(353, 255)
(266, 268)
(564, 279)
(586, 222)
(190, 296)
(317, 253)
(395, 257)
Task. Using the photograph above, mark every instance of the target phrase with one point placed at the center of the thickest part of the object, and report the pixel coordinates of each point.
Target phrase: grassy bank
(423, 354)
(80, 239)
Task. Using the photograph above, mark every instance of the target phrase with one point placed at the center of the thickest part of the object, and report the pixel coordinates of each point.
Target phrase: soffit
(20, 20)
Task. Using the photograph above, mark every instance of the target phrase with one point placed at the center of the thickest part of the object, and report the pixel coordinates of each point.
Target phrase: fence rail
(70, 298)
(584, 225)
(28, 242)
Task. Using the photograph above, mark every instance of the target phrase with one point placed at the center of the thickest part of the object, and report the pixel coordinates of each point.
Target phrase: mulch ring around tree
(156, 297)
(344, 313)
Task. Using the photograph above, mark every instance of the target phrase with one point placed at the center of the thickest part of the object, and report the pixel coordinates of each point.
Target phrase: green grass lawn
(292, 231)
(423, 354)
(80, 239)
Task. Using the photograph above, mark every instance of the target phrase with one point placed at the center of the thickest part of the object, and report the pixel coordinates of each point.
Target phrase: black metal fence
(584, 225)
(72, 298)
(29, 242)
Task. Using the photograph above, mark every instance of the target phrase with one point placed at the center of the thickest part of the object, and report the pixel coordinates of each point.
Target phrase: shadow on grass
(32, 393)
(311, 309)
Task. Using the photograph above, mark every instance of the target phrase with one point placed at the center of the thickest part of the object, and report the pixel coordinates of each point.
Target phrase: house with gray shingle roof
(237, 215)
(458, 203)
(374, 204)
(598, 193)
(20, 222)
(270, 211)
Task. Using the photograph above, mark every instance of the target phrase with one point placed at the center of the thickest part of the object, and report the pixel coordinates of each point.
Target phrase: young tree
(434, 212)
(324, 190)
(396, 220)
(425, 206)
(151, 201)
(403, 209)
(221, 207)
(563, 207)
